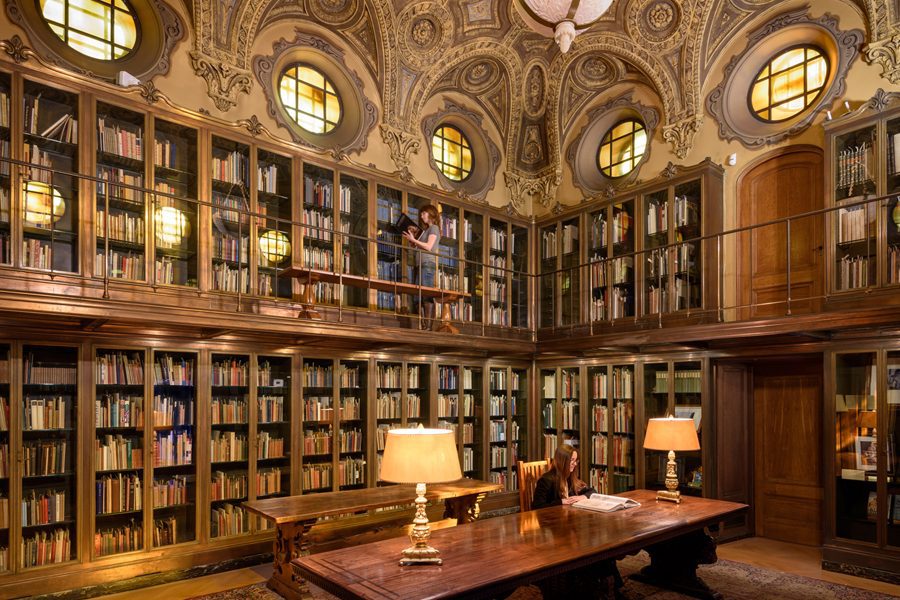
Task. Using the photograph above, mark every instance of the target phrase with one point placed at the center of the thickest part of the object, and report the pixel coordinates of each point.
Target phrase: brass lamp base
(671, 493)
(669, 496)
(424, 555)
(420, 553)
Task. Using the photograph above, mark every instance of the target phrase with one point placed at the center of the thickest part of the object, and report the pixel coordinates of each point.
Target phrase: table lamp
(420, 456)
(671, 434)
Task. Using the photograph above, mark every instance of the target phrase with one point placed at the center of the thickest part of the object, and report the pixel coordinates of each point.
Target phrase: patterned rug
(734, 580)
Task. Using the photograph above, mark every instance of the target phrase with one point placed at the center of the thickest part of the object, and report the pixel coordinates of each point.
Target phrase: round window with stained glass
(309, 98)
(622, 148)
(100, 29)
(788, 84)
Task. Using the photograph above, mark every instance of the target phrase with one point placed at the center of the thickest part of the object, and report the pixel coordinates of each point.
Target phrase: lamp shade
(420, 456)
(671, 434)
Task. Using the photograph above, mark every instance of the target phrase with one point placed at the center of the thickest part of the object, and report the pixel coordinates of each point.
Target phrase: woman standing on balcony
(426, 263)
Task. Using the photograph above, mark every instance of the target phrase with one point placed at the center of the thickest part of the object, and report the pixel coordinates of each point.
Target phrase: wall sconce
(275, 246)
(43, 204)
(172, 226)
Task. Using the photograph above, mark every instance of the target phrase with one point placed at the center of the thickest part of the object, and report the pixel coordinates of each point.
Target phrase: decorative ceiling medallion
(480, 76)
(336, 12)
(479, 14)
(425, 32)
(593, 71)
(534, 96)
(656, 21)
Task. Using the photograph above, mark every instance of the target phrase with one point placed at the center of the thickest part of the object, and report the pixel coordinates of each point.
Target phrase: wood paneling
(733, 395)
(786, 184)
(788, 451)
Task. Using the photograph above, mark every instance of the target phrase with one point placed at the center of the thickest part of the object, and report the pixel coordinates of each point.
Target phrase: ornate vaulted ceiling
(483, 50)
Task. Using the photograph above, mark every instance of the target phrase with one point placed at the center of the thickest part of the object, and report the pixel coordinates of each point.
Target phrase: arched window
(622, 148)
(452, 152)
(789, 83)
(309, 98)
(100, 29)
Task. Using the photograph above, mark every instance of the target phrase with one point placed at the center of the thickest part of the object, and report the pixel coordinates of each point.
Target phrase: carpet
(734, 580)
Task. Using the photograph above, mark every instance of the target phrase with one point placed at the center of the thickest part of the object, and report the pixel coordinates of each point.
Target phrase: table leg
(673, 565)
(464, 509)
(308, 303)
(445, 326)
(291, 541)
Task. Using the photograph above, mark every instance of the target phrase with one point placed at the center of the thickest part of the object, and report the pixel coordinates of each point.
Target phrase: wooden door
(787, 183)
(787, 438)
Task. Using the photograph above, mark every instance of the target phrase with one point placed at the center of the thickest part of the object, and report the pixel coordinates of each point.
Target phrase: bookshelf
(598, 275)
(473, 279)
(460, 409)
(620, 297)
(548, 275)
(230, 226)
(352, 419)
(174, 469)
(388, 405)
(49, 490)
(520, 279)
(5, 171)
(121, 212)
(621, 419)
(498, 273)
(273, 429)
(175, 211)
(599, 429)
(498, 419)
(50, 195)
(6, 462)
(570, 276)
(418, 395)
(388, 257)
(449, 274)
(656, 260)
(118, 451)
(353, 242)
(274, 190)
(229, 449)
(318, 233)
(317, 470)
(560, 408)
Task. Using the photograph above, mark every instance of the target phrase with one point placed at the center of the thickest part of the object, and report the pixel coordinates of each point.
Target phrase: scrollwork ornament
(149, 92)
(881, 100)
(558, 208)
(670, 171)
(18, 51)
(681, 134)
(401, 145)
(886, 53)
(253, 125)
(223, 81)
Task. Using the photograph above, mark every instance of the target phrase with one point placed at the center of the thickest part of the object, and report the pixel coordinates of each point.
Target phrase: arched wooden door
(785, 183)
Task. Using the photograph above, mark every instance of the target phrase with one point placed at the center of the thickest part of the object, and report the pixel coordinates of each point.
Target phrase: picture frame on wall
(866, 455)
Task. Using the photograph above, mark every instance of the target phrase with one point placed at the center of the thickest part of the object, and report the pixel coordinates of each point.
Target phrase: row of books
(172, 412)
(568, 381)
(43, 413)
(318, 408)
(172, 448)
(269, 446)
(122, 265)
(228, 279)
(228, 410)
(116, 540)
(231, 248)
(126, 190)
(318, 258)
(114, 138)
(686, 381)
(119, 493)
(228, 446)
(116, 452)
(173, 370)
(352, 471)
(48, 373)
(267, 178)
(41, 507)
(229, 486)
(232, 167)
(228, 519)
(387, 405)
(37, 254)
(317, 442)
(351, 440)
(120, 368)
(44, 457)
(500, 381)
(233, 372)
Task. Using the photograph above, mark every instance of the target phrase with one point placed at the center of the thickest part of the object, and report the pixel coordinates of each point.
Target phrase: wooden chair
(527, 475)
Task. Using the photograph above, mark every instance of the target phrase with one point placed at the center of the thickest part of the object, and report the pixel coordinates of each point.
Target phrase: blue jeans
(426, 277)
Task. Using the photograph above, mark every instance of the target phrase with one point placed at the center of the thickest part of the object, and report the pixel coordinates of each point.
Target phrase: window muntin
(622, 148)
(452, 152)
(309, 98)
(789, 83)
(101, 29)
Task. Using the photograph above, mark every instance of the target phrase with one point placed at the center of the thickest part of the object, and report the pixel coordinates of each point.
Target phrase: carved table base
(291, 541)
(673, 565)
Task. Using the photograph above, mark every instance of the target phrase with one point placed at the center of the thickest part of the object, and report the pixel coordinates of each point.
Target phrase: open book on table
(604, 503)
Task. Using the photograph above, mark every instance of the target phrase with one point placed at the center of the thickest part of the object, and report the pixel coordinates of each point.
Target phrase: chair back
(527, 474)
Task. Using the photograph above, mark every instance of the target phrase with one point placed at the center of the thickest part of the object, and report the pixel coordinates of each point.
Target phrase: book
(604, 503)
(872, 506)
(405, 223)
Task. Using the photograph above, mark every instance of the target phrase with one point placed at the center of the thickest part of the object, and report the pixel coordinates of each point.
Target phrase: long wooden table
(295, 516)
(492, 557)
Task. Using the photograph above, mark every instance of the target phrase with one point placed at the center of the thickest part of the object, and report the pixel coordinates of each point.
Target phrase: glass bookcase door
(892, 207)
(49, 492)
(273, 430)
(448, 407)
(318, 425)
(174, 468)
(5, 170)
(473, 281)
(388, 411)
(856, 500)
(548, 275)
(656, 405)
(687, 389)
(353, 387)
(175, 210)
(449, 274)
(274, 190)
(230, 216)
(518, 426)
(570, 276)
(418, 393)
(498, 274)
(5, 462)
(119, 452)
(623, 446)
(498, 424)
(570, 406)
(599, 267)
(549, 411)
(892, 445)
(120, 211)
(598, 428)
(354, 235)
(388, 261)
(50, 199)
(318, 233)
(855, 170)
(229, 449)
(687, 253)
(520, 277)
(472, 413)
(621, 268)
(656, 255)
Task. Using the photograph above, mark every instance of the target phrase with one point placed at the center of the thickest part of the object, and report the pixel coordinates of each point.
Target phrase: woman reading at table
(426, 264)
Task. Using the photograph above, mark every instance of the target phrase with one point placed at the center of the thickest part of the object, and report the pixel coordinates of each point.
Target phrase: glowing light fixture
(43, 204)
(172, 226)
(562, 19)
(275, 246)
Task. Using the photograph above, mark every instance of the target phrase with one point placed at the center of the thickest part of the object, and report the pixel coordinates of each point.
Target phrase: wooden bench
(299, 528)
(309, 277)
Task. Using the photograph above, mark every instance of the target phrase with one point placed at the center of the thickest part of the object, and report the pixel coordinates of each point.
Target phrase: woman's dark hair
(568, 483)
(432, 212)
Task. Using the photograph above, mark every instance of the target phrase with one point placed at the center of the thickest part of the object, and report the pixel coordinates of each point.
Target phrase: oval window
(309, 98)
(788, 84)
(95, 28)
(622, 148)
(452, 152)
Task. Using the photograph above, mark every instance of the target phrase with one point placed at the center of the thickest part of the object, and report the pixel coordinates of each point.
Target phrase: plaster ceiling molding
(336, 13)
(728, 103)
(401, 144)
(561, 19)
(160, 29)
(534, 89)
(478, 15)
(425, 33)
(720, 24)
(540, 188)
(485, 153)
(358, 114)
(656, 23)
(581, 154)
(484, 80)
